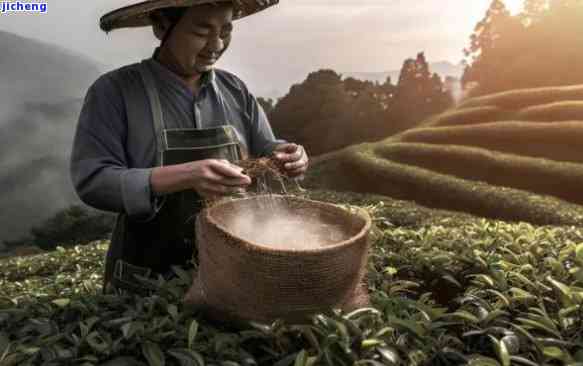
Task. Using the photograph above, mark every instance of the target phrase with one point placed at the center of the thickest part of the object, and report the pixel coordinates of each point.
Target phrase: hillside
(514, 156)
(41, 91)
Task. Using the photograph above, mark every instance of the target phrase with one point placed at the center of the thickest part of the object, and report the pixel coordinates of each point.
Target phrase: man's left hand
(294, 159)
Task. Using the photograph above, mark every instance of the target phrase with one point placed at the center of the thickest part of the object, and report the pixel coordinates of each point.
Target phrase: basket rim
(292, 252)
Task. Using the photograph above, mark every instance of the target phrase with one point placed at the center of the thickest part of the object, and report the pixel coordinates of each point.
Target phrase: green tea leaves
(153, 354)
(192, 332)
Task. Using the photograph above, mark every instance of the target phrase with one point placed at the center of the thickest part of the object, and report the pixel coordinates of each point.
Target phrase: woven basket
(242, 281)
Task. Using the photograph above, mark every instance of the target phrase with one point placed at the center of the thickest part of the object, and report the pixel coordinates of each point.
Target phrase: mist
(41, 94)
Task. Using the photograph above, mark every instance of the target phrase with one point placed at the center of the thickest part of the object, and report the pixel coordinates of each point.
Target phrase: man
(156, 138)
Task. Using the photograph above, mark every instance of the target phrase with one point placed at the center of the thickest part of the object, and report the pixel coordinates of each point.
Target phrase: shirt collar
(208, 78)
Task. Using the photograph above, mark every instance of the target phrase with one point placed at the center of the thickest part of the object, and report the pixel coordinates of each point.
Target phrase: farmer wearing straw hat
(157, 137)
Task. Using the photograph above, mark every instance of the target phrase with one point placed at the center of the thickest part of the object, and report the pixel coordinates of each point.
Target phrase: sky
(281, 45)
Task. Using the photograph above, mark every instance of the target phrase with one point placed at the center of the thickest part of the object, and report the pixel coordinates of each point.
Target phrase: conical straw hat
(138, 15)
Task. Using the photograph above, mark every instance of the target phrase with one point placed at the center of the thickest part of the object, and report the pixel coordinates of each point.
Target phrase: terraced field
(515, 155)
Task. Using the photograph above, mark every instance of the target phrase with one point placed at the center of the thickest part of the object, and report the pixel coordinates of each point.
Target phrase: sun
(514, 6)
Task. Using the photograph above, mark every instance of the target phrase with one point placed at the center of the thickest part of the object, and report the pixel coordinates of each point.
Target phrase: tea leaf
(287, 361)
(538, 325)
(564, 290)
(153, 354)
(501, 351)
(579, 253)
(554, 353)
(363, 311)
(408, 325)
(61, 302)
(96, 342)
(483, 361)
(389, 355)
(462, 314)
(182, 274)
(368, 343)
(173, 311)
(301, 358)
(192, 332)
(187, 356)
(130, 329)
(4, 345)
(523, 361)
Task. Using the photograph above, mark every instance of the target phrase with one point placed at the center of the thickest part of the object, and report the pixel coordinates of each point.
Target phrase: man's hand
(294, 159)
(215, 178)
(211, 178)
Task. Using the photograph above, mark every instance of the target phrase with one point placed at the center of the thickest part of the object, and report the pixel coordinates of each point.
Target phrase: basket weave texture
(244, 281)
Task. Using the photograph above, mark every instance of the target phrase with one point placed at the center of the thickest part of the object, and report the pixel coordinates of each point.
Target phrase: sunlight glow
(514, 5)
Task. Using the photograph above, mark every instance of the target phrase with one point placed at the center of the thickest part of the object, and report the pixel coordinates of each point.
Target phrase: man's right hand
(215, 178)
(211, 178)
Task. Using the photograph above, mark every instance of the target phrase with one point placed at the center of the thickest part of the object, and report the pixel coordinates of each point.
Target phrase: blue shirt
(112, 157)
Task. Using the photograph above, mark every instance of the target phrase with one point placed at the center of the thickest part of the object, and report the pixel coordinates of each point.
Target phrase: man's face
(200, 38)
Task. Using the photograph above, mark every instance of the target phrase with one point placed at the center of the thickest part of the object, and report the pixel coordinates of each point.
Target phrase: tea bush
(446, 290)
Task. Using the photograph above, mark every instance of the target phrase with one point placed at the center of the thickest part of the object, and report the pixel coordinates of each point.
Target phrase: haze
(281, 45)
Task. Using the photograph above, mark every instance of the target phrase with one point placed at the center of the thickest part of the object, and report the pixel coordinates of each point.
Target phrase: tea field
(486, 157)
(447, 288)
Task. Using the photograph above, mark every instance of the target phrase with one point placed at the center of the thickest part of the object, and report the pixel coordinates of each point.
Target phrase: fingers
(293, 173)
(214, 190)
(286, 148)
(229, 174)
(226, 183)
(296, 155)
(217, 178)
(285, 157)
(295, 163)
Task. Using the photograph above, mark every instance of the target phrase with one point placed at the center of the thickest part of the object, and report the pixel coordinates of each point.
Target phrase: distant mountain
(443, 68)
(41, 93)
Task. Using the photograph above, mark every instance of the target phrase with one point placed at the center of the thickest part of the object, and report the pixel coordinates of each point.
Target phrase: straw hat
(138, 15)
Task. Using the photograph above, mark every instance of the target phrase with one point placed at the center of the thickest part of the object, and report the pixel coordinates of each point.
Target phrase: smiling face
(198, 40)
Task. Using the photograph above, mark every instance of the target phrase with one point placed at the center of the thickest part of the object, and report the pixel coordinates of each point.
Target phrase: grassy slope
(550, 140)
(513, 156)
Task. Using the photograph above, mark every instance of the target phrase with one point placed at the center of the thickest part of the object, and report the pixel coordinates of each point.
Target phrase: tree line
(326, 112)
(541, 46)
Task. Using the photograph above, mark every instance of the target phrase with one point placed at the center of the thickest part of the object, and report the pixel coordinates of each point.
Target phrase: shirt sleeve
(263, 140)
(98, 166)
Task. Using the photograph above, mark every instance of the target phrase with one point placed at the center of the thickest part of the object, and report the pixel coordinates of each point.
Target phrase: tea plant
(445, 291)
